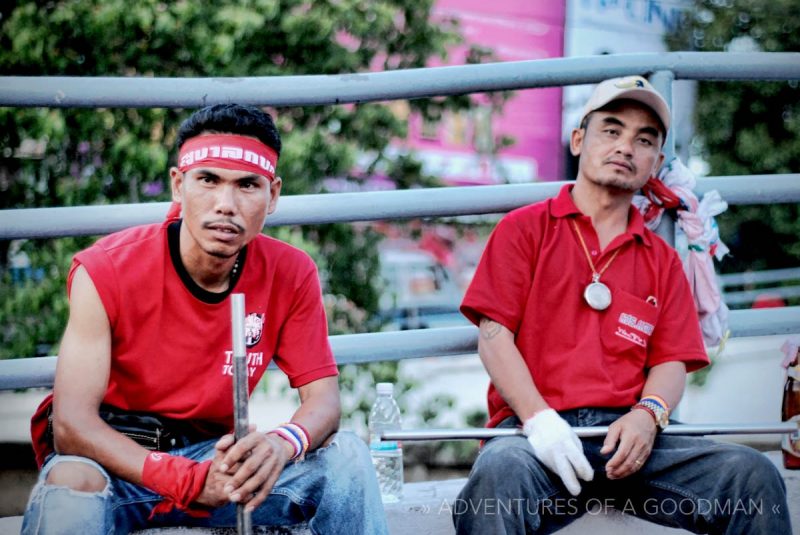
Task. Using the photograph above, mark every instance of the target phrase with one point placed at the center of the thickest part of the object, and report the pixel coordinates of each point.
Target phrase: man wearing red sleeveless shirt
(586, 319)
(137, 431)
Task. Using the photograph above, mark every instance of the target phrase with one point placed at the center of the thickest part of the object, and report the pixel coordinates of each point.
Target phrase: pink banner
(466, 148)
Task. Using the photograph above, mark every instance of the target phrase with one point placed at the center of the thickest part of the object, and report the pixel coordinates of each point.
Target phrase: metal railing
(750, 279)
(401, 345)
(367, 206)
(315, 90)
(363, 87)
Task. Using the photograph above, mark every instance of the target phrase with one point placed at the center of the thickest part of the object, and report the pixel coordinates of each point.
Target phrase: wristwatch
(659, 413)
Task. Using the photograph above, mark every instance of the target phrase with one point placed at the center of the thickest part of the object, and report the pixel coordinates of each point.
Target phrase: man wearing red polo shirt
(586, 319)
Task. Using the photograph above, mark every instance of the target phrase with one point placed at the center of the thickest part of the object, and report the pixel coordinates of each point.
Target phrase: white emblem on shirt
(253, 327)
(630, 336)
(640, 325)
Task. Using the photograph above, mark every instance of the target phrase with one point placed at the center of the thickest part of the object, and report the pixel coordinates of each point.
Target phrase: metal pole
(479, 433)
(240, 397)
(317, 209)
(347, 88)
(662, 82)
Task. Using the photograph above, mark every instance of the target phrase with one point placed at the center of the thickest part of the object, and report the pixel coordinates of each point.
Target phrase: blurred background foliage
(749, 127)
(68, 157)
(55, 157)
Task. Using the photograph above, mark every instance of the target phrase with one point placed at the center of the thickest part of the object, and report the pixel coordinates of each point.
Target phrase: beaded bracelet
(656, 399)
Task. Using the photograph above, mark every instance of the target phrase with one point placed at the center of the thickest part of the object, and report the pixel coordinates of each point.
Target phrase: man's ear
(576, 141)
(658, 163)
(274, 194)
(176, 181)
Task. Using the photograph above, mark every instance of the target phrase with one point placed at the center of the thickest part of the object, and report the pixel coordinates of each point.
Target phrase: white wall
(596, 27)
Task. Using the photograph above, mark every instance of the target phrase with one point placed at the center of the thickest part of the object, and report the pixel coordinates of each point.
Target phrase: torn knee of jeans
(104, 493)
(81, 484)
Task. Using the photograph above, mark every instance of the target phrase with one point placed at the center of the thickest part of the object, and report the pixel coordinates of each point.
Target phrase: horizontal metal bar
(32, 372)
(35, 372)
(481, 433)
(313, 90)
(764, 321)
(750, 296)
(399, 345)
(752, 189)
(292, 210)
(365, 206)
(760, 277)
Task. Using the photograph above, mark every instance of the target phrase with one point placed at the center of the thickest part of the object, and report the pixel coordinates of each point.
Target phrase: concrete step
(426, 509)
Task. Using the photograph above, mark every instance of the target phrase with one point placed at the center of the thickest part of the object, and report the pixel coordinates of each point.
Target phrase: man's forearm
(91, 437)
(320, 410)
(507, 369)
(666, 380)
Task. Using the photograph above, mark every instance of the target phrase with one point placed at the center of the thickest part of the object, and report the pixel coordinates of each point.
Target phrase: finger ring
(638, 462)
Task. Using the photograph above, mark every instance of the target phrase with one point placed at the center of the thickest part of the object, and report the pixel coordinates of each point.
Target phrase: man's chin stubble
(222, 255)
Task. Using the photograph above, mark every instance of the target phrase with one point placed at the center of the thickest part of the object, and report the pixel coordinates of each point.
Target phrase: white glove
(557, 446)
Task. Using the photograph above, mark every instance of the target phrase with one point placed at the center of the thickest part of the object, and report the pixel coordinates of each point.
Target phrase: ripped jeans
(334, 490)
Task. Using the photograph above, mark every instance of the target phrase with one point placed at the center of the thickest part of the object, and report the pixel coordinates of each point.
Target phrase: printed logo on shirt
(254, 362)
(640, 325)
(630, 336)
(253, 327)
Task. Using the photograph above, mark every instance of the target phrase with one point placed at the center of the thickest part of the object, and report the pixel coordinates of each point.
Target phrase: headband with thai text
(228, 151)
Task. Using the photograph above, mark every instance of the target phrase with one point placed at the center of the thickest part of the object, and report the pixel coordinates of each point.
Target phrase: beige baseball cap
(628, 87)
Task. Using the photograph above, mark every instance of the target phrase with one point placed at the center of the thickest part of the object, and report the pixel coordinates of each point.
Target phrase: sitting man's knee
(350, 444)
(77, 476)
(505, 452)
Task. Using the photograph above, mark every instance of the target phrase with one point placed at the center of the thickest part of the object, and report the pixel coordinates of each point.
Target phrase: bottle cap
(385, 388)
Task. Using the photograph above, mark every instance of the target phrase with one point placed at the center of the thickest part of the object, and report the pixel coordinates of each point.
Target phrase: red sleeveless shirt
(171, 340)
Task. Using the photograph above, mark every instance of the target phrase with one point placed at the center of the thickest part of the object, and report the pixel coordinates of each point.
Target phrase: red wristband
(178, 479)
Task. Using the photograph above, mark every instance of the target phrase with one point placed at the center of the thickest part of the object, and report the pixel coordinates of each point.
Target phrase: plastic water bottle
(387, 456)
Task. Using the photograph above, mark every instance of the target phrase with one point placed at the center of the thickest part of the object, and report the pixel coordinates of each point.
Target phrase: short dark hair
(585, 121)
(231, 119)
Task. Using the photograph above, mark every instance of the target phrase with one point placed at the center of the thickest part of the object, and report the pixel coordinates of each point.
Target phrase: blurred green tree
(55, 157)
(749, 127)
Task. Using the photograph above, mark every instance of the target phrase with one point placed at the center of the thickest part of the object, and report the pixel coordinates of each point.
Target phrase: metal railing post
(662, 81)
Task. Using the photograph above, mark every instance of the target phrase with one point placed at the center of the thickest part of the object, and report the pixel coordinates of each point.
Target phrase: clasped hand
(245, 472)
(558, 447)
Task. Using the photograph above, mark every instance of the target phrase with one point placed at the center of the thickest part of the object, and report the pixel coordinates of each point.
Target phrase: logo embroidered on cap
(630, 83)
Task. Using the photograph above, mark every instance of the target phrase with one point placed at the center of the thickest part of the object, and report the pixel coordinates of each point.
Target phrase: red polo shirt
(531, 279)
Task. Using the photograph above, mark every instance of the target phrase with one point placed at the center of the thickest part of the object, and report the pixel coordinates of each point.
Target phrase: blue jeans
(334, 490)
(687, 482)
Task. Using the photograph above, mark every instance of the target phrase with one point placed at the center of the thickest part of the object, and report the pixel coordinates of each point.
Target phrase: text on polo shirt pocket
(626, 329)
